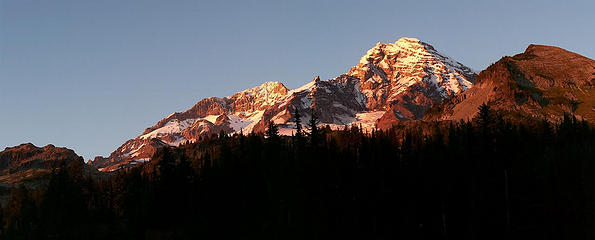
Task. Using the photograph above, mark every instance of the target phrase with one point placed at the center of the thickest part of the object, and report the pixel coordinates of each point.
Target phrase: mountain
(407, 77)
(543, 82)
(239, 112)
(391, 82)
(30, 165)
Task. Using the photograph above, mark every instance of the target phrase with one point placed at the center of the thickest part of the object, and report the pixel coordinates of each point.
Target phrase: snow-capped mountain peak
(391, 82)
(389, 69)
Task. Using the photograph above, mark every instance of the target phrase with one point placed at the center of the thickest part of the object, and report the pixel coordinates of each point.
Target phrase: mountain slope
(239, 112)
(31, 165)
(543, 82)
(406, 77)
(391, 82)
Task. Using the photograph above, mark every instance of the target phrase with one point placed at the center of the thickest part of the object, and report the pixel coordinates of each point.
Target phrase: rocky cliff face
(391, 69)
(391, 82)
(336, 102)
(239, 112)
(31, 165)
(543, 82)
(28, 156)
(406, 77)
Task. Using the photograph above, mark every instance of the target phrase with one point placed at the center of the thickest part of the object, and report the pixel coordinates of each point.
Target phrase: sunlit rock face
(406, 77)
(391, 82)
(544, 82)
(31, 165)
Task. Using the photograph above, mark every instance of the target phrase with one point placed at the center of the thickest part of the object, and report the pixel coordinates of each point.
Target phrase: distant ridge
(543, 82)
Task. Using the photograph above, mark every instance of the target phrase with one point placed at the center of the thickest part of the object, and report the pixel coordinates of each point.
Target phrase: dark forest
(487, 178)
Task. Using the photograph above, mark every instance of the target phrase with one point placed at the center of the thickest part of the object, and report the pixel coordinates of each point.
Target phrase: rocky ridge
(544, 82)
(391, 82)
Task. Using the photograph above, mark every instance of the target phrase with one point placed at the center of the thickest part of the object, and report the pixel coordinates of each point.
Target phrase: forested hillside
(482, 179)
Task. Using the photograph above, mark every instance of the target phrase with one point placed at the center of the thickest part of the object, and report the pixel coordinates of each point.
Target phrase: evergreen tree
(21, 214)
(485, 119)
(298, 124)
(63, 206)
(1, 218)
(313, 126)
(272, 133)
(349, 185)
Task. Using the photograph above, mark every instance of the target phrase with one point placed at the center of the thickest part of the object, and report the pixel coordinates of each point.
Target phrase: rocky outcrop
(399, 80)
(239, 112)
(409, 76)
(543, 82)
(30, 165)
(28, 156)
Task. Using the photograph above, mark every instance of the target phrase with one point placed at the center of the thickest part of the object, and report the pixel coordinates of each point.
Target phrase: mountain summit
(406, 77)
(390, 69)
(543, 82)
(31, 165)
(391, 82)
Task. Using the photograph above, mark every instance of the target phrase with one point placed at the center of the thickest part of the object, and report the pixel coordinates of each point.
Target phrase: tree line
(487, 178)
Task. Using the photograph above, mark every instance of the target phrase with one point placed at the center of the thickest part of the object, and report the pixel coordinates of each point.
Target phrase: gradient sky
(88, 75)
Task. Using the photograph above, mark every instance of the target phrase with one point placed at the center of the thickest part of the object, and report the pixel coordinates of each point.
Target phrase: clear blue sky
(89, 75)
